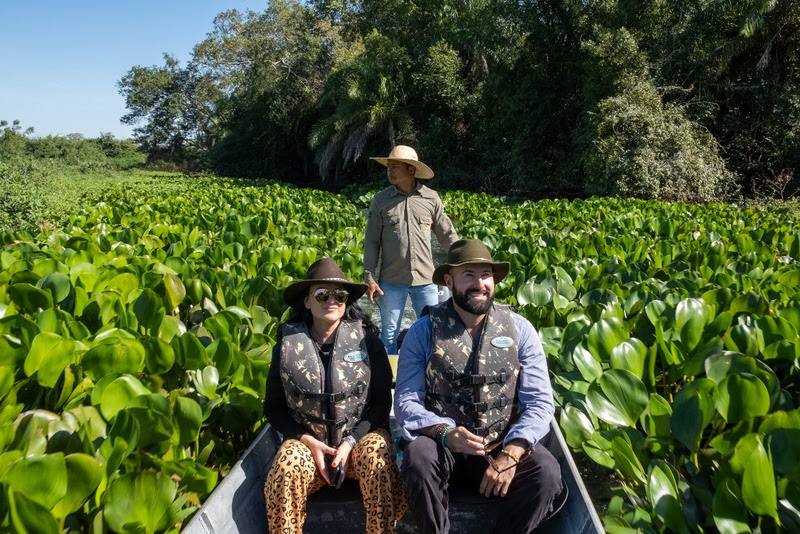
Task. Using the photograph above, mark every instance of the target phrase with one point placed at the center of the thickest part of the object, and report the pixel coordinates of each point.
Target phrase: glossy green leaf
(577, 426)
(627, 461)
(49, 355)
(29, 516)
(41, 478)
(742, 396)
(662, 491)
(154, 416)
(589, 367)
(176, 291)
(618, 397)
(137, 502)
(83, 476)
(159, 357)
(605, 335)
(119, 393)
(114, 355)
(188, 418)
(57, 284)
(730, 516)
(692, 411)
(30, 298)
(148, 309)
(758, 483)
(629, 355)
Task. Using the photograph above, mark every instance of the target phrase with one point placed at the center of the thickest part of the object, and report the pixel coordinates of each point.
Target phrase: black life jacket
(328, 401)
(476, 388)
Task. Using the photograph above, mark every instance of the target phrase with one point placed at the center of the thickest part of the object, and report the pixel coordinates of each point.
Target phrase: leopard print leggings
(294, 476)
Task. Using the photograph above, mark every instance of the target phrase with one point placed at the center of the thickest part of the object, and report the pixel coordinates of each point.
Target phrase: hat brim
(294, 293)
(423, 171)
(499, 270)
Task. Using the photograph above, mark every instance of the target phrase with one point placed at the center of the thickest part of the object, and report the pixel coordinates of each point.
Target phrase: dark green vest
(476, 388)
(328, 401)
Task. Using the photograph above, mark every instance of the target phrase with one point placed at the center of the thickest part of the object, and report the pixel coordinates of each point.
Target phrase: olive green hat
(466, 251)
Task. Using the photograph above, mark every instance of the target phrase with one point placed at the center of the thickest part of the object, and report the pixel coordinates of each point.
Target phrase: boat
(237, 505)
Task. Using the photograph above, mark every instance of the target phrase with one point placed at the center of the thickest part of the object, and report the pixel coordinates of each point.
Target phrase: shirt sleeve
(379, 400)
(372, 241)
(443, 226)
(535, 393)
(409, 393)
(275, 408)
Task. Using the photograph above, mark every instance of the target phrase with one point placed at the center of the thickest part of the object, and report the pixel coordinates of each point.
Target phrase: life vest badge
(502, 342)
(355, 356)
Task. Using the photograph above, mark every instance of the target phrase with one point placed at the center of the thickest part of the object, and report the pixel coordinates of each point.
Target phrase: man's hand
(497, 483)
(460, 439)
(318, 451)
(371, 290)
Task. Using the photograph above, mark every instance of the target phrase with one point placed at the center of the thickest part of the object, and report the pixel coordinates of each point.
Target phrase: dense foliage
(669, 100)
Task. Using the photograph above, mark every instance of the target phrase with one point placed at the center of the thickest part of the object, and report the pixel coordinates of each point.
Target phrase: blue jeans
(392, 304)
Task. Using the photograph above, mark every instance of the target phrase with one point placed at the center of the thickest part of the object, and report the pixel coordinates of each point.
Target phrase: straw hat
(406, 154)
(465, 251)
(324, 270)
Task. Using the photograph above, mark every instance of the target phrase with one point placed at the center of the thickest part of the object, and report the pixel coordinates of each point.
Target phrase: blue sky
(60, 60)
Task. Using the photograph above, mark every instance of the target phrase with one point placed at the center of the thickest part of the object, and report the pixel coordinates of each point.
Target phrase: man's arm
(535, 391)
(372, 249)
(409, 393)
(442, 226)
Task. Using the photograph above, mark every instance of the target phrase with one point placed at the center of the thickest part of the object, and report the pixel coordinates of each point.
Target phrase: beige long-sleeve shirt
(399, 233)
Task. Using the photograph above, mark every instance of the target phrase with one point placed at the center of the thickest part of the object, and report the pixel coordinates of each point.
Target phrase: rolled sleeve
(409, 393)
(535, 392)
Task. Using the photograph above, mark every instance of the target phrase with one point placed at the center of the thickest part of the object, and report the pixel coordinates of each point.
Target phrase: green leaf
(657, 418)
(30, 517)
(159, 356)
(630, 355)
(114, 355)
(57, 284)
(618, 397)
(188, 417)
(176, 291)
(83, 476)
(206, 381)
(148, 309)
(155, 419)
(119, 393)
(626, 459)
(662, 491)
(576, 425)
(224, 325)
(741, 396)
(586, 363)
(758, 483)
(730, 516)
(42, 479)
(49, 355)
(605, 335)
(136, 502)
(692, 411)
(749, 303)
(30, 298)
(691, 317)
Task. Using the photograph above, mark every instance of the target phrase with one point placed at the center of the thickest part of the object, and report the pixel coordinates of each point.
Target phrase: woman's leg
(292, 478)
(373, 465)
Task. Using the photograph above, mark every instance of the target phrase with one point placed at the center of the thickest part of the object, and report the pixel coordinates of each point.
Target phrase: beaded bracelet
(510, 455)
(444, 435)
(441, 432)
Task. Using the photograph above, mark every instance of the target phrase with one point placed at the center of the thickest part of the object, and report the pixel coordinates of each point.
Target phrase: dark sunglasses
(339, 295)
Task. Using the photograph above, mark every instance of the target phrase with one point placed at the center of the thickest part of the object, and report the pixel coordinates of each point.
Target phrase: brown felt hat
(321, 271)
(408, 155)
(466, 251)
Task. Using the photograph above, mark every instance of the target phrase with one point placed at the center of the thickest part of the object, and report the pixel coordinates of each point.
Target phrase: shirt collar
(417, 189)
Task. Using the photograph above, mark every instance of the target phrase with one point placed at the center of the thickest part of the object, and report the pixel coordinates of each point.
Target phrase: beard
(467, 300)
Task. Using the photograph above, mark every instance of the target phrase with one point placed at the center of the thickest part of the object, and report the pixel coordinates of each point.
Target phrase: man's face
(401, 175)
(472, 286)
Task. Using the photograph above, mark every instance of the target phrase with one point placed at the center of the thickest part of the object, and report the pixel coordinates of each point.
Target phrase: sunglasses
(339, 295)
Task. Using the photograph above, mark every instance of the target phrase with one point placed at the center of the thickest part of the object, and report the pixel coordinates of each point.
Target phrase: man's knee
(421, 458)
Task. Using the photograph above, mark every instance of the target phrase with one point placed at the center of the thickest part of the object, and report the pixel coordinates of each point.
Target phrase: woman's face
(330, 311)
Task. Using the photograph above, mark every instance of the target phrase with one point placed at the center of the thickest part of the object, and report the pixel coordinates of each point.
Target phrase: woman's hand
(318, 452)
(342, 457)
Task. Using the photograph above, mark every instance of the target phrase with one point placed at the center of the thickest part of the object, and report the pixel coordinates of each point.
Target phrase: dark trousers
(429, 469)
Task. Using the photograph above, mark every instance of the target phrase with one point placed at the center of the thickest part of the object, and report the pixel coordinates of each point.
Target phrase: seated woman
(329, 394)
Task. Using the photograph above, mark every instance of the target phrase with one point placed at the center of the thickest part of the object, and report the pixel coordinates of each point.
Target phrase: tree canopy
(669, 99)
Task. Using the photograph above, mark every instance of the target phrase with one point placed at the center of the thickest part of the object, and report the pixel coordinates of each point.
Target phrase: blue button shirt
(533, 385)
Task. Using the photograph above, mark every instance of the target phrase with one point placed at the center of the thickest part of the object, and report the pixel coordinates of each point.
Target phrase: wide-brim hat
(406, 154)
(465, 251)
(324, 270)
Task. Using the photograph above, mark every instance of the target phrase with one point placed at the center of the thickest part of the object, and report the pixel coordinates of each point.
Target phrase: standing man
(399, 226)
(474, 399)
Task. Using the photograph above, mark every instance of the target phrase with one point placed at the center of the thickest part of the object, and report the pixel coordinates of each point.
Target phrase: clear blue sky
(60, 60)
